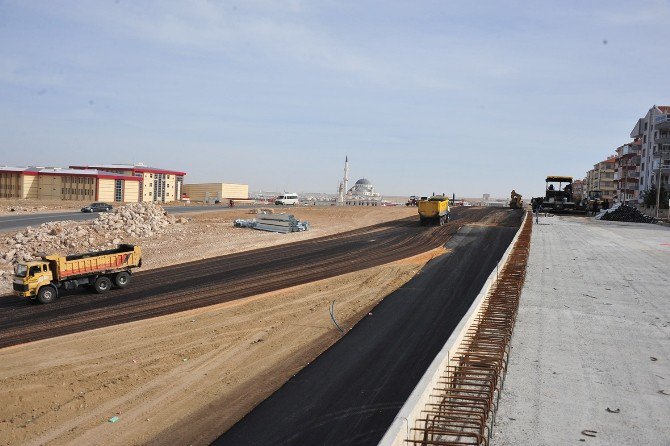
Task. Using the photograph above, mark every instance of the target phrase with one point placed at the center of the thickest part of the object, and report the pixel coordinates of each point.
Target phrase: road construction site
(103, 369)
(241, 348)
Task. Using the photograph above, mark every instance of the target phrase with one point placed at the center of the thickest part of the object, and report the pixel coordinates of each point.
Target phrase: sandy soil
(211, 234)
(187, 377)
(183, 378)
(35, 206)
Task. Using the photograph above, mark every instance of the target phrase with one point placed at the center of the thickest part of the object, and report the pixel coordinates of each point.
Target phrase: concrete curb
(410, 412)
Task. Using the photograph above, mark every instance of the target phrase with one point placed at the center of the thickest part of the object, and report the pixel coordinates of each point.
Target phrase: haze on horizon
(422, 96)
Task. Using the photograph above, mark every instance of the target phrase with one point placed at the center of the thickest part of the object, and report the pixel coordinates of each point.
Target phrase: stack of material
(282, 223)
(241, 223)
(620, 212)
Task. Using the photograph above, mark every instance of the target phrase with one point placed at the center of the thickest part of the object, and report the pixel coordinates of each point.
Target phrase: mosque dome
(363, 188)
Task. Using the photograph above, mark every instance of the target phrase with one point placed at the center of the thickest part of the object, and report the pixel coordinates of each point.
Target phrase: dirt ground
(187, 377)
(13, 206)
(211, 234)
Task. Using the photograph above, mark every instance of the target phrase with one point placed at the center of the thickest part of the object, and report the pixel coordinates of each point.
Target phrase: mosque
(362, 188)
(361, 194)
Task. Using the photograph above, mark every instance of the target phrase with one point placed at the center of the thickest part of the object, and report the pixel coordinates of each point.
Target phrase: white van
(287, 199)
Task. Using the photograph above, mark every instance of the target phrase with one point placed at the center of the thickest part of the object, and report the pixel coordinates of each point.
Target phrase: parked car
(97, 207)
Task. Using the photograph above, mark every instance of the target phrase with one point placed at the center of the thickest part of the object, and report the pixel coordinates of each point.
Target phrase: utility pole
(658, 187)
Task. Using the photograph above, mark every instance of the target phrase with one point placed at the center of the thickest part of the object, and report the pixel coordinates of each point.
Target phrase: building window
(118, 190)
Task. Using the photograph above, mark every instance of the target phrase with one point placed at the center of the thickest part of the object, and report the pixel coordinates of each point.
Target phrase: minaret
(346, 174)
(345, 181)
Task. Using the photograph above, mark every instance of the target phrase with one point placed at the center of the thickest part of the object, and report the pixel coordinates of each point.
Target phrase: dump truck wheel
(122, 279)
(46, 294)
(102, 284)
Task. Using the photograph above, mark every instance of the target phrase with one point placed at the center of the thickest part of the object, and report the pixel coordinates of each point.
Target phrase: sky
(422, 96)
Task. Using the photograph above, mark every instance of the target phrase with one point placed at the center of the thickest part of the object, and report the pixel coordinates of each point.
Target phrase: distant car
(97, 207)
(287, 199)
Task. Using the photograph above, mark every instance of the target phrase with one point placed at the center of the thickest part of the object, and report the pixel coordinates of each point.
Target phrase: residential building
(216, 191)
(578, 190)
(601, 178)
(156, 185)
(653, 130)
(53, 183)
(627, 172)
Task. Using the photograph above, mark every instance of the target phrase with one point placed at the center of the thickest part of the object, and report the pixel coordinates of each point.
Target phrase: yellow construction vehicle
(434, 210)
(42, 279)
(515, 200)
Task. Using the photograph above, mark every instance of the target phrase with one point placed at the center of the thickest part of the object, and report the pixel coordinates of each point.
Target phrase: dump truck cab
(29, 277)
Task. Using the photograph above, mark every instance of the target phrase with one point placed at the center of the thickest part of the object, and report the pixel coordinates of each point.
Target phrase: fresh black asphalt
(352, 392)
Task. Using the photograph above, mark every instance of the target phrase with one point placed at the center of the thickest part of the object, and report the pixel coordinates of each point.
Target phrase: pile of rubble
(621, 212)
(138, 220)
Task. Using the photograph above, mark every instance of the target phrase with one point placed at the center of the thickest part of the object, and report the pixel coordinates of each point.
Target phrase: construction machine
(594, 202)
(515, 200)
(434, 210)
(558, 198)
(43, 279)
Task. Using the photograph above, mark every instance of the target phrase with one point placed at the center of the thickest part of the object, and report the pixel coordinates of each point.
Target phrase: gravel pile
(625, 213)
(138, 220)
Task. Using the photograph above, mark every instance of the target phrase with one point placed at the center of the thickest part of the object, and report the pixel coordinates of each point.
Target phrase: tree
(649, 197)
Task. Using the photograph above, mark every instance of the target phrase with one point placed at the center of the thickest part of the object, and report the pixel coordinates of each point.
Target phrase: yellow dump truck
(434, 210)
(43, 279)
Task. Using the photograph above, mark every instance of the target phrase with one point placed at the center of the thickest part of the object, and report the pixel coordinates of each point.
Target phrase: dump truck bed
(121, 258)
(433, 208)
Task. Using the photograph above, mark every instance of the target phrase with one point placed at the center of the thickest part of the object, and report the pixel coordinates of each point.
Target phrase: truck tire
(122, 279)
(102, 284)
(47, 294)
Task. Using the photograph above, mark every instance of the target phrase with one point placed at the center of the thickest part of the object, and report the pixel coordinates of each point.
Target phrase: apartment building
(627, 172)
(653, 130)
(156, 184)
(579, 189)
(601, 178)
(53, 183)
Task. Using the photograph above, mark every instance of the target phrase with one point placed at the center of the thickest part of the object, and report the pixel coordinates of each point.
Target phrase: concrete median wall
(401, 428)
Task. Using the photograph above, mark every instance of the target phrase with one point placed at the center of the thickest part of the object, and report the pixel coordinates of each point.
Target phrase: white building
(363, 194)
(363, 189)
(654, 132)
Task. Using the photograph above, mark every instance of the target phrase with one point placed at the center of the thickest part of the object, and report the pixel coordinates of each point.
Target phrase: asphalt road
(351, 393)
(20, 221)
(196, 284)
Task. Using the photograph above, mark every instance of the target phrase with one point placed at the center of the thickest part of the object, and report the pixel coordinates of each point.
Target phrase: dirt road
(221, 279)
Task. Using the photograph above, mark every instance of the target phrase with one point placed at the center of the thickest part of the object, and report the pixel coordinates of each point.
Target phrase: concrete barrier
(410, 412)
